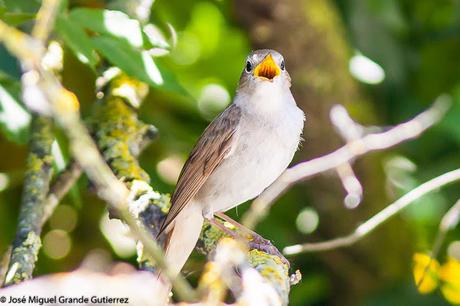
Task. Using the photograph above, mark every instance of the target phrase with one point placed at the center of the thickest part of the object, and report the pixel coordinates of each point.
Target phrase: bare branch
(349, 131)
(381, 217)
(59, 189)
(451, 218)
(346, 154)
(351, 185)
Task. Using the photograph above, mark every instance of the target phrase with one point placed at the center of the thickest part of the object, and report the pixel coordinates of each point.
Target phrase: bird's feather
(214, 145)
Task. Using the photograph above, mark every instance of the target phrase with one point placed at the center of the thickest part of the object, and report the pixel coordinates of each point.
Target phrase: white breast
(266, 142)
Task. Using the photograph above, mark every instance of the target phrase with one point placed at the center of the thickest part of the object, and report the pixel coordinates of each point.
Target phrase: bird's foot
(228, 231)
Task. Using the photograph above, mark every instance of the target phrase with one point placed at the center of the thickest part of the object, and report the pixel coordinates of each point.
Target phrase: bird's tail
(181, 239)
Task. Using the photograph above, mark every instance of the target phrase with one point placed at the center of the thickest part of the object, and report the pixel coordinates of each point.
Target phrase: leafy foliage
(14, 119)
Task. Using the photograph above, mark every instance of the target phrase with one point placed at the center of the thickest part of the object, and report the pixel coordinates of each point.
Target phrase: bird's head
(264, 68)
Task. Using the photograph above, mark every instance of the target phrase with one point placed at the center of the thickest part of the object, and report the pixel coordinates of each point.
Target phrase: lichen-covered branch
(118, 132)
(261, 255)
(36, 184)
(232, 267)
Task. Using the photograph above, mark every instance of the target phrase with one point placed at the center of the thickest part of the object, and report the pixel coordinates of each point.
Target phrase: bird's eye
(282, 65)
(248, 66)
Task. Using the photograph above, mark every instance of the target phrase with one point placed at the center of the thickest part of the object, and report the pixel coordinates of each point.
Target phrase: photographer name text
(45, 300)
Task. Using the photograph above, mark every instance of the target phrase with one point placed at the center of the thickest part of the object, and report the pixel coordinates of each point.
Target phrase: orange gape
(267, 68)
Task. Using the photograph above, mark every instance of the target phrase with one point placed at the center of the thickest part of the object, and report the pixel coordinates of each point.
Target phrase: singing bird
(238, 155)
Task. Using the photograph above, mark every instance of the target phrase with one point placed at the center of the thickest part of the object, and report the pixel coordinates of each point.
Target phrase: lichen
(23, 259)
(209, 237)
(272, 269)
(27, 242)
(119, 134)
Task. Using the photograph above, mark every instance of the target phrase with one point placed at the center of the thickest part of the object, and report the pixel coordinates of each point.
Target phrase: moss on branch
(36, 185)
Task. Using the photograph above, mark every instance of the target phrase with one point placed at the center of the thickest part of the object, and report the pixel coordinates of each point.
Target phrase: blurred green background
(384, 60)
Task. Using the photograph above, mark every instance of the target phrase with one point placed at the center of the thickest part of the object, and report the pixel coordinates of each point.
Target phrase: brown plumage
(214, 144)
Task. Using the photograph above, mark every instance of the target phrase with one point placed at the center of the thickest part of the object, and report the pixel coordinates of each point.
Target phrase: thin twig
(448, 222)
(351, 185)
(349, 131)
(378, 219)
(346, 154)
(60, 187)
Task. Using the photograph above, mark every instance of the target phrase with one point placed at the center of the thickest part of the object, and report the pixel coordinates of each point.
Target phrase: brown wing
(213, 146)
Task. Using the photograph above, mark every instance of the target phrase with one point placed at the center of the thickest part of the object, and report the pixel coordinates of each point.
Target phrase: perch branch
(378, 219)
(36, 184)
(346, 154)
(262, 255)
(220, 273)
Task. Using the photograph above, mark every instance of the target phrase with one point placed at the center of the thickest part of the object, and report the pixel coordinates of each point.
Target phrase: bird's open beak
(267, 69)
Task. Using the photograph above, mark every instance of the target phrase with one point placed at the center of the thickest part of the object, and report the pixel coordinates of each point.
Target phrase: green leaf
(22, 6)
(14, 119)
(113, 23)
(77, 40)
(15, 19)
(138, 64)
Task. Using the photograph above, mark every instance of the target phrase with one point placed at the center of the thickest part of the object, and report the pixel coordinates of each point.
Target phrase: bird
(239, 154)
